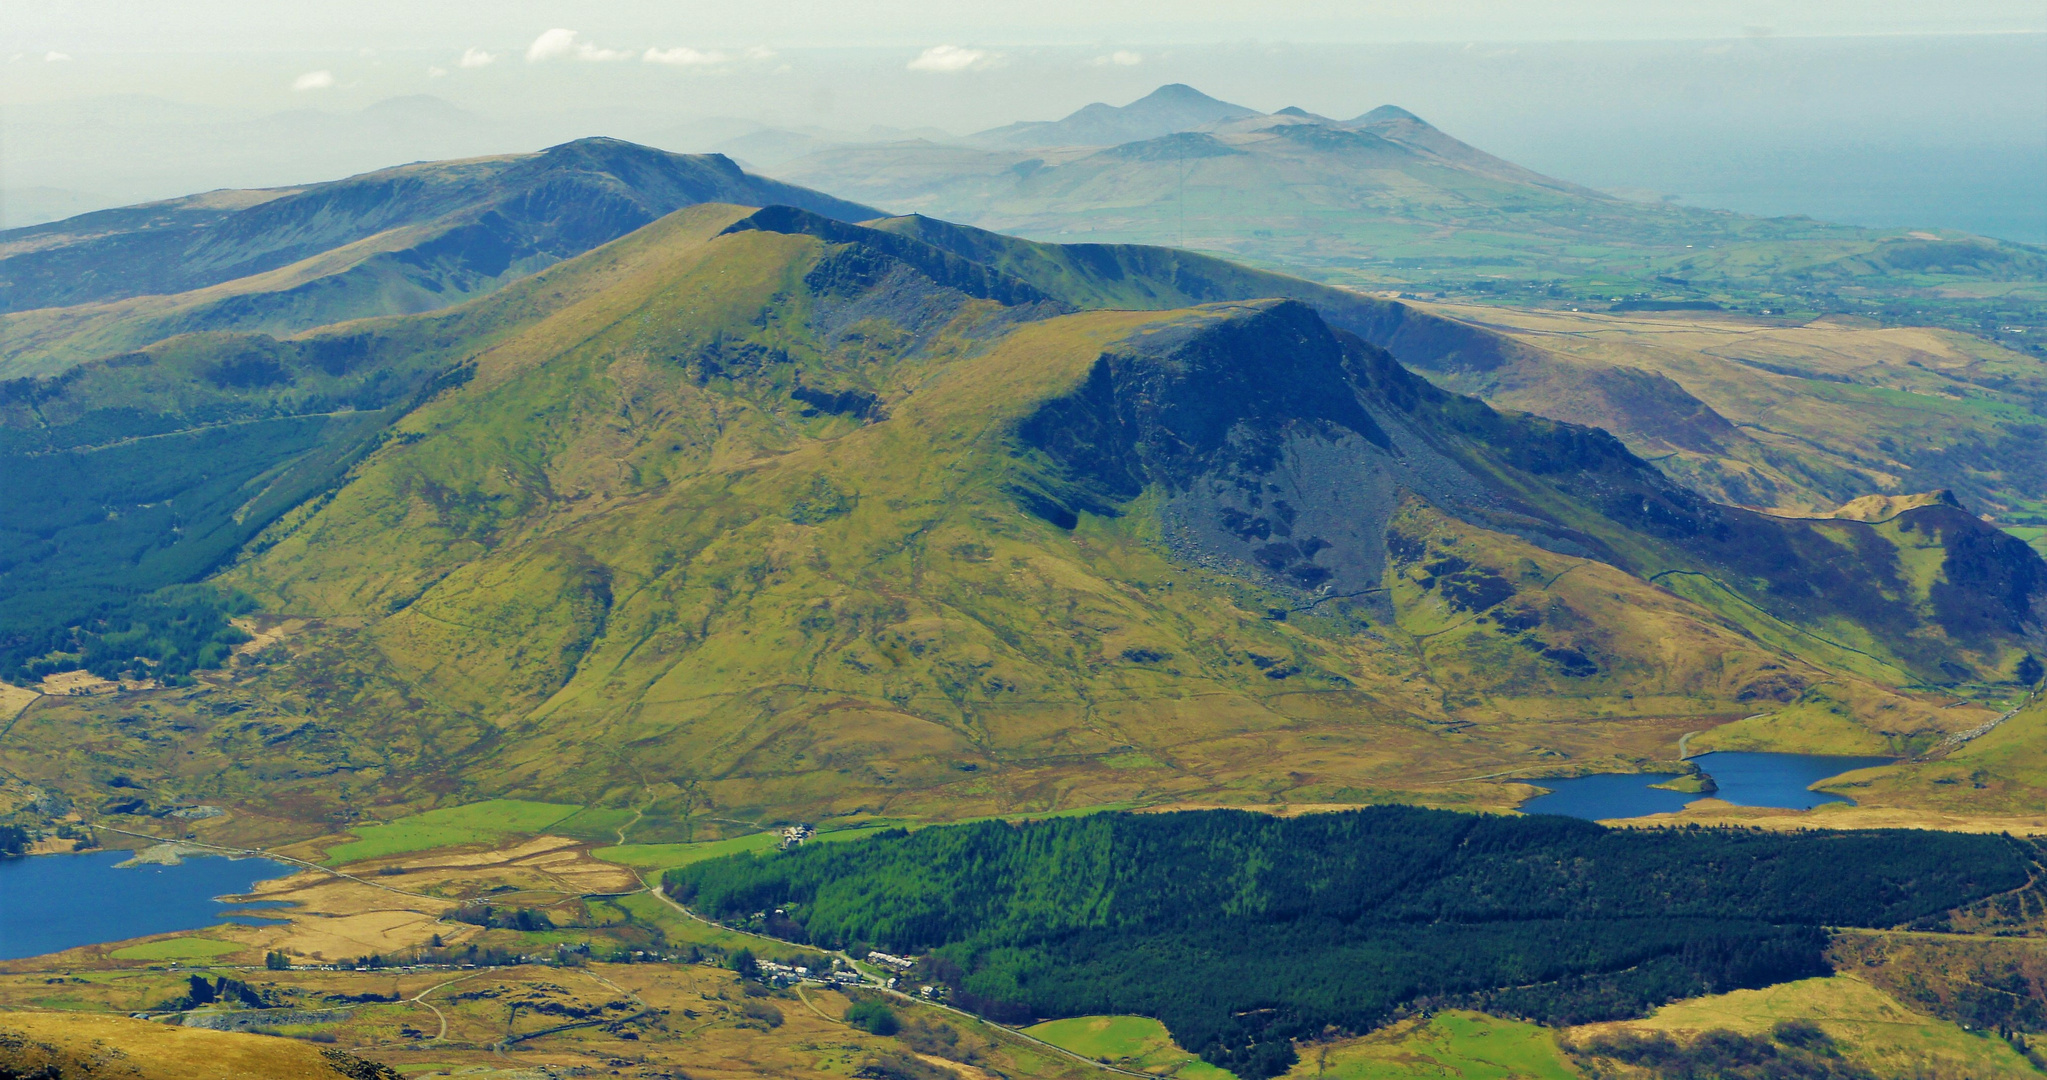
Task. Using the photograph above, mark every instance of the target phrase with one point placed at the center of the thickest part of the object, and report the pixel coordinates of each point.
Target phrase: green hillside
(752, 516)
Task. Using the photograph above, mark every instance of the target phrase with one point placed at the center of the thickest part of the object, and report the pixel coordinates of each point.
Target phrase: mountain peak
(1176, 93)
(1168, 110)
(1387, 113)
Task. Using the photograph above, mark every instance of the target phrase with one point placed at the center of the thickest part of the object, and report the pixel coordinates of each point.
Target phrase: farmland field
(475, 823)
(1131, 1042)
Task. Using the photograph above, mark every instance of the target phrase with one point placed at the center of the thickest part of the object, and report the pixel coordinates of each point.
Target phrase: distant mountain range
(1381, 199)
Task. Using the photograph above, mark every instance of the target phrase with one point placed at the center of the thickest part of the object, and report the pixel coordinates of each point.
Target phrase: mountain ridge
(475, 224)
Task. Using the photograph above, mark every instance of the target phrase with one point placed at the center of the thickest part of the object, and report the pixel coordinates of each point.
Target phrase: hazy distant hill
(1171, 108)
(1385, 200)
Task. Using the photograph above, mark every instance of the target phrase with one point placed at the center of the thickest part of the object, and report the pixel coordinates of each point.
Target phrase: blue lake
(1744, 779)
(53, 902)
(1748, 779)
(1607, 795)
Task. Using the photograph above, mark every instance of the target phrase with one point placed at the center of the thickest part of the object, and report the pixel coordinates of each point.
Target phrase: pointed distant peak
(1295, 110)
(1177, 93)
(1387, 114)
(1185, 105)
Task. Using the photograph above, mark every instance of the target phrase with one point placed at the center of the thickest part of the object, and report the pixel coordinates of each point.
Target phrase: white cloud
(556, 42)
(436, 72)
(1120, 58)
(760, 52)
(683, 56)
(475, 58)
(559, 42)
(949, 58)
(57, 58)
(313, 80)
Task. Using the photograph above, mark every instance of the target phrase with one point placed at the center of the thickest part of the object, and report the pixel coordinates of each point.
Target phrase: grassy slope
(156, 1051)
(151, 469)
(2002, 772)
(1455, 1044)
(622, 567)
(1131, 1042)
(889, 639)
(1875, 1030)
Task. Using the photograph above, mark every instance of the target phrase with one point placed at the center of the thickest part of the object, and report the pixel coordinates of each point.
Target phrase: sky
(233, 25)
(1877, 112)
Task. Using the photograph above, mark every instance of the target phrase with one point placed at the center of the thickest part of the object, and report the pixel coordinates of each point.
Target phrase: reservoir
(53, 902)
(1744, 779)
(1748, 779)
(1607, 795)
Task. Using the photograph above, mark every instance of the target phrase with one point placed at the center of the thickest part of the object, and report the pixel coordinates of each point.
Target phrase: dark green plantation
(1242, 931)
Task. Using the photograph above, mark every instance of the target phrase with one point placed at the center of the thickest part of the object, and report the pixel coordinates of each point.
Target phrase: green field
(476, 823)
(1131, 1042)
(1459, 1045)
(669, 856)
(179, 948)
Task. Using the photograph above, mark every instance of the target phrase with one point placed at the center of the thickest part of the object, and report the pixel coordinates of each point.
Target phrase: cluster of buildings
(795, 835)
(784, 974)
(900, 963)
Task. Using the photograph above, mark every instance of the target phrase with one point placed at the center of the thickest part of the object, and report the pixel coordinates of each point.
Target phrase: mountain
(1389, 203)
(754, 514)
(1387, 200)
(413, 238)
(1171, 108)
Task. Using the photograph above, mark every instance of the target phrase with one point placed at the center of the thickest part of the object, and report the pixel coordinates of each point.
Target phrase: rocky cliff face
(1282, 449)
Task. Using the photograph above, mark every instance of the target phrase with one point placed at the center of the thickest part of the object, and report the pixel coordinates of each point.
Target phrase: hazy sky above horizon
(1881, 112)
(227, 25)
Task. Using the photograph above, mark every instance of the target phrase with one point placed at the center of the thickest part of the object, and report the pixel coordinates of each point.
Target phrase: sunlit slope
(799, 527)
(154, 467)
(58, 1044)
